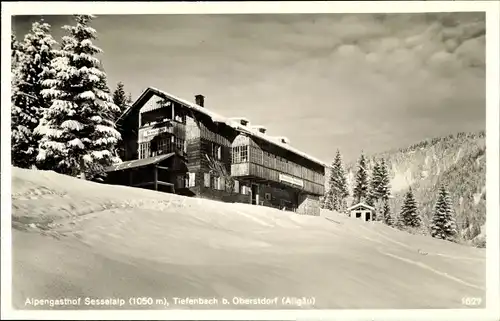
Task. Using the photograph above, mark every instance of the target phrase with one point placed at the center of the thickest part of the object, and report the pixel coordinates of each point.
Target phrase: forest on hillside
(456, 161)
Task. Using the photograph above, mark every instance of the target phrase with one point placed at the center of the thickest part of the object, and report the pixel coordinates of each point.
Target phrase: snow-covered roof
(136, 163)
(282, 139)
(231, 122)
(240, 119)
(361, 204)
(260, 128)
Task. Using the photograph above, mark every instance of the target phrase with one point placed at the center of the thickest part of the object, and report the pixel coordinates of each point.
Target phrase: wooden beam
(163, 167)
(165, 183)
(156, 177)
(152, 183)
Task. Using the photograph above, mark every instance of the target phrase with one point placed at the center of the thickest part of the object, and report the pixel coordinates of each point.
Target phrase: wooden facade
(212, 157)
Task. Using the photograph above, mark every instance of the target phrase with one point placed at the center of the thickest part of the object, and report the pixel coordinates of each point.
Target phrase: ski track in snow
(426, 267)
(371, 231)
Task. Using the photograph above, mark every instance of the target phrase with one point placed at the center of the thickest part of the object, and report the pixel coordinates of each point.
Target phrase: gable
(360, 208)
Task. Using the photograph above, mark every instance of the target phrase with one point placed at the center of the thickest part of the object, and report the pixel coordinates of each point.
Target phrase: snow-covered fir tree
(120, 99)
(374, 188)
(360, 191)
(16, 54)
(129, 100)
(409, 216)
(443, 222)
(335, 198)
(386, 213)
(31, 68)
(79, 137)
(385, 185)
(379, 188)
(15, 51)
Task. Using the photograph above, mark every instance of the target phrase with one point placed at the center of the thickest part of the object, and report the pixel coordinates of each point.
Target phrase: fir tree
(337, 192)
(360, 192)
(129, 100)
(409, 216)
(375, 181)
(384, 189)
(32, 59)
(16, 56)
(443, 221)
(15, 48)
(386, 213)
(379, 187)
(79, 137)
(119, 99)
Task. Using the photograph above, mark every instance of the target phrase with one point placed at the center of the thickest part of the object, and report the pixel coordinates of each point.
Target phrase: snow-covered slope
(74, 238)
(456, 160)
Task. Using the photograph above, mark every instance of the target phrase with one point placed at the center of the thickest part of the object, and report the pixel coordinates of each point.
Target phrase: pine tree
(119, 99)
(360, 192)
(386, 213)
(443, 221)
(31, 68)
(79, 137)
(409, 216)
(337, 192)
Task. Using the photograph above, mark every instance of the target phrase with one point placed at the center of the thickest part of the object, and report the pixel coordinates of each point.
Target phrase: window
(244, 154)
(162, 146)
(216, 151)
(266, 159)
(144, 150)
(268, 196)
(206, 178)
(240, 154)
(256, 155)
(179, 144)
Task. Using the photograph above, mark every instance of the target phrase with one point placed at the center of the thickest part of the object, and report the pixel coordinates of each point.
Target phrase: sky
(352, 82)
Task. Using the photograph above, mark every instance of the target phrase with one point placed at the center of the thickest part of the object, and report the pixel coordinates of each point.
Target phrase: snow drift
(78, 239)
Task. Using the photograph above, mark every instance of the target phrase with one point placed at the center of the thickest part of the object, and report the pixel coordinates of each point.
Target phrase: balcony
(253, 163)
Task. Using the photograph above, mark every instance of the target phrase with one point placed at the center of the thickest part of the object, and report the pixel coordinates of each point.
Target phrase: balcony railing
(253, 155)
(252, 162)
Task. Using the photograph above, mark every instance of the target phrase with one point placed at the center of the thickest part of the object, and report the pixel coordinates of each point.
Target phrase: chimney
(200, 100)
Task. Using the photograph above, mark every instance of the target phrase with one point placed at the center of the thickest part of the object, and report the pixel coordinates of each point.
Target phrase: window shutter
(219, 152)
(236, 186)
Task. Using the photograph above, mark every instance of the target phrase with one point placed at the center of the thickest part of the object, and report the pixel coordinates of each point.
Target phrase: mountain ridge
(456, 160)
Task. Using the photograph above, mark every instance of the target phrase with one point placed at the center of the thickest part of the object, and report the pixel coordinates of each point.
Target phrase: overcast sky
(354, 82)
